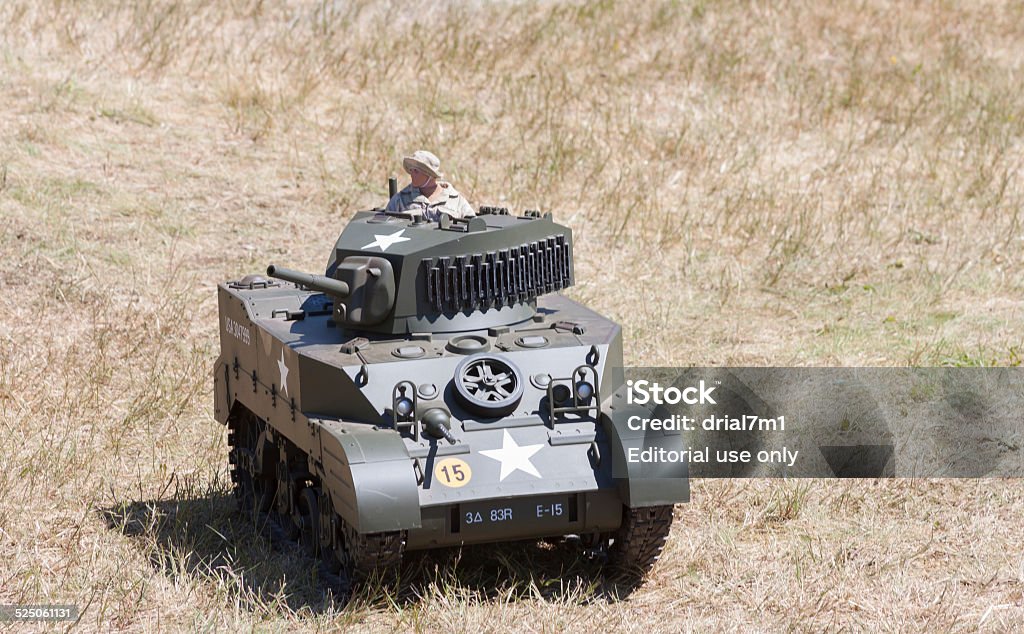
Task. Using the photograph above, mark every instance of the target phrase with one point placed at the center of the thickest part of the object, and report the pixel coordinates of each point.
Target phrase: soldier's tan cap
(425, 162)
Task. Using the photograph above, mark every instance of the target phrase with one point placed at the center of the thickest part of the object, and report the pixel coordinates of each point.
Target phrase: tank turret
(403, 275)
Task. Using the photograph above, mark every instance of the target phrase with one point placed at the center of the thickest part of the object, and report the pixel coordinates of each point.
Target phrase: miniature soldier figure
(427, 194)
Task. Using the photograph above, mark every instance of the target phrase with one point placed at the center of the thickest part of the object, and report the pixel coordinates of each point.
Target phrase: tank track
(638, 543)
(360, 558)
(242, 431)
(377, 556)
(328, 575)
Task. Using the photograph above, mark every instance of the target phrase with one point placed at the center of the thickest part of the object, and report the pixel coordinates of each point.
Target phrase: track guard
(369, 476)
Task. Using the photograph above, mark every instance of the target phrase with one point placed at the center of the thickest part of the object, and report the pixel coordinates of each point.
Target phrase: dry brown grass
(748, 184)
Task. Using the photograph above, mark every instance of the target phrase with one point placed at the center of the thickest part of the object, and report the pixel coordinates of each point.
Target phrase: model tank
(431, 389)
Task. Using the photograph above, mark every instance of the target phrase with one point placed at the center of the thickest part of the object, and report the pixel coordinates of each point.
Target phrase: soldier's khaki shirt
(410, 200)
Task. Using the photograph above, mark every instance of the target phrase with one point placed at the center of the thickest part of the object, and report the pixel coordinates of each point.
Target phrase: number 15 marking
(453, 472)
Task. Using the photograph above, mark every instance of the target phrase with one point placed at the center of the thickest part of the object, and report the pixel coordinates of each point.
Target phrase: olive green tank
(433, 388)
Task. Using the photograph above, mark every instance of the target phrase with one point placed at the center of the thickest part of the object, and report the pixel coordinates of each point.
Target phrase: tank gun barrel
(316, 282)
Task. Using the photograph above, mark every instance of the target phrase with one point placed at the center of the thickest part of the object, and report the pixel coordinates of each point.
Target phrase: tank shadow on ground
(206, 540)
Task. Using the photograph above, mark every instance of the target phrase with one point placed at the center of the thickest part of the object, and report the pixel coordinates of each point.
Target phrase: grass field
(748, 183)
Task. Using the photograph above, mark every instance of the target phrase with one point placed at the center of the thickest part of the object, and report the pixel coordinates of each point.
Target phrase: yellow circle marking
(453, 473)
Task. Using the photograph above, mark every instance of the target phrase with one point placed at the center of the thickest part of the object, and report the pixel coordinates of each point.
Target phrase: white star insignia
(386, 241)
(283, 369)
(513, 457)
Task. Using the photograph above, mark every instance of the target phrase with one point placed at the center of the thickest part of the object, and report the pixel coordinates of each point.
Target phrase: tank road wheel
(253, 487)
(638, 543)
(308, 520)
(288, 524)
